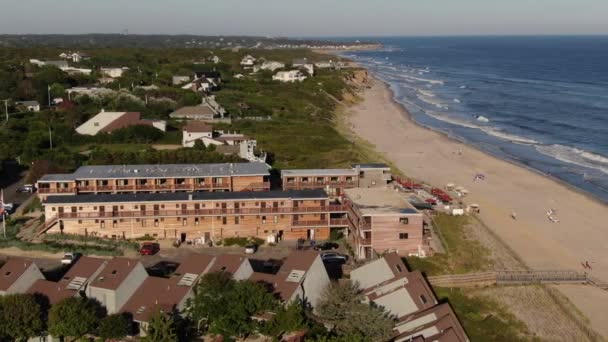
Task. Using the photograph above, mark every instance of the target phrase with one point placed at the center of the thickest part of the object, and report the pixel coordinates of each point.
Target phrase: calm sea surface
(539, 101)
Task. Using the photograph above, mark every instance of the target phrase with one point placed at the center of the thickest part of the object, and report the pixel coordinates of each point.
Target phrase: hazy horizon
(314, 18)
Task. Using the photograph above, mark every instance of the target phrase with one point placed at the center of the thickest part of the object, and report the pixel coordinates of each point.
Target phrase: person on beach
(513, 216)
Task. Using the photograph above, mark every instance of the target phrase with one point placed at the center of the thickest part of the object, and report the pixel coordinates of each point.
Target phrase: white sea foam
(488, 130)
(426, 93)
(575, 156)
(432, 101)
(457, 100)
(463, 87)
(420, 79)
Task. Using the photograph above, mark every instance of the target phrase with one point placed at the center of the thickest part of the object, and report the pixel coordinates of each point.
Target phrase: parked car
(326, 246)
(9, 207)
(250, 249)
(26, 188)
(149, 248)
(333, 258)
(70, 258)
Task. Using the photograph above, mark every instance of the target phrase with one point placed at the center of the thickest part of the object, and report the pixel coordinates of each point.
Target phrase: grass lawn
(462, 255)
(484, 319)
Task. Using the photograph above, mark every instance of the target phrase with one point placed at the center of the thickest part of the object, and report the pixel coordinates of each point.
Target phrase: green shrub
(242, 241)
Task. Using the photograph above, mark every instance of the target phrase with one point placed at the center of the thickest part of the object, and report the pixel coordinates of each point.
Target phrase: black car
(326, 246)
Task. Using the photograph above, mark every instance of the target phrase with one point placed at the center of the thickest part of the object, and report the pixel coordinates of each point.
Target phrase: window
(196, 221)
(114, 224)
(79, 208)
(136, 207)
(404, 220)
(263, 219)
(184, 222)
(224, 220)
(423, 299)
(236, 220)
(122, 207)
(94, 208)
(155, 222)
(403, 236)
(53, 208)
(79, 221)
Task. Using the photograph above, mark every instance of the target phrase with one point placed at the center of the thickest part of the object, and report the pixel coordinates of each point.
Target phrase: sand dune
(582, 233)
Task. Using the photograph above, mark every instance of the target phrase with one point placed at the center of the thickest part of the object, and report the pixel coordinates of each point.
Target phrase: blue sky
(306, 17)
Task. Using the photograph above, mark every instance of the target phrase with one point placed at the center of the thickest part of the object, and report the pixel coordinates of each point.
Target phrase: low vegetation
(483, 318)
(462, 255)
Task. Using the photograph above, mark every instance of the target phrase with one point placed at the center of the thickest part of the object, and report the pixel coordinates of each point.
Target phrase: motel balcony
(56, 190)
(315, 223)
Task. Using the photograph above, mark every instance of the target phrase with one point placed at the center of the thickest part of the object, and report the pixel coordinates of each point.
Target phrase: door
(183, 237)
(114, 210)
(156, 209)
(224, 207)
(311, 234)
(237, 206)
(142, 210)
(102, 211)
(184, 208)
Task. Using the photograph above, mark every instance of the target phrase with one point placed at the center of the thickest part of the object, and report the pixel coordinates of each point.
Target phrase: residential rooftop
(380, 201)
(371, 166)
(115, 272)
(12, 270)
(160, 171)
(183, 196)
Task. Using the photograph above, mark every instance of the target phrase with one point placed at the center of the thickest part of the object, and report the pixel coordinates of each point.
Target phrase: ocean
(541, 102)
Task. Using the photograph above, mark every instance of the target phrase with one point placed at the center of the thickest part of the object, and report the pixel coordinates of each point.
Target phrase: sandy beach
(581, 234)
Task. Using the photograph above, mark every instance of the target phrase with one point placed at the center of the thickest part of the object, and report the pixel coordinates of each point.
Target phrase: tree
(342, 307)
(289, 318)
(20, 317)
(74, 317)
(160, 328)
(114, 326)
(224, 306)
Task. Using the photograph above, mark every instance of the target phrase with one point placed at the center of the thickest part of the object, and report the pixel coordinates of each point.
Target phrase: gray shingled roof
(318, 172)
(182, 196)
(57, 177)
(162, 171)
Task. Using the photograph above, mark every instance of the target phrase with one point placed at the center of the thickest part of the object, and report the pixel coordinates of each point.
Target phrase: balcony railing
(105, 188)
(309, 185)
(263, 185)
(183, 186)
(125, 187)
(198, 212)
(317, 223)
(338, 222)
(55, 191)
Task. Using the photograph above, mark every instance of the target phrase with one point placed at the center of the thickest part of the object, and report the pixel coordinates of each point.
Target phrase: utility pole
(50, 137)
(48, 90)
(6, 109)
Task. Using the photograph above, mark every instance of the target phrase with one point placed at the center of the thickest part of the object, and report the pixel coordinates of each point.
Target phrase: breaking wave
(576, 156)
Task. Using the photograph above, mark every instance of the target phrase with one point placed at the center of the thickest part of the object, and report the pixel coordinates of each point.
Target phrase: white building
(31, 106)
(226, 142)
(270, 65)
(177, 80)
(215, 59)
(289, 76)
(303, 63)
(114, 72)
(248, 61)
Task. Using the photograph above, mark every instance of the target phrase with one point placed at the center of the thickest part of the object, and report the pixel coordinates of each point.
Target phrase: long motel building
(156, 178)
(207, 216)
(210, 202)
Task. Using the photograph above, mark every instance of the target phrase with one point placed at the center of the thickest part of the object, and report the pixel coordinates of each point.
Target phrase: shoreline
(436, 158)
(406, 113)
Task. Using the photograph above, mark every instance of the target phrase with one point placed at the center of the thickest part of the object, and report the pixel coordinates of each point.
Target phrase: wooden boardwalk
(512, 278)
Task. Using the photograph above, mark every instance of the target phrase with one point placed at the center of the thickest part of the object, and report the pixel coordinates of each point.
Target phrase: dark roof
(208, 74)
(155, 293)
(12, 270)
(161, 171)
(115, 272)
(227, 263)
(197, 126)
(371, 166)
(182, 196)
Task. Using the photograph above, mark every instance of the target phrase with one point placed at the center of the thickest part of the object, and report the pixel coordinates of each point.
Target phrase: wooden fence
(509, 278)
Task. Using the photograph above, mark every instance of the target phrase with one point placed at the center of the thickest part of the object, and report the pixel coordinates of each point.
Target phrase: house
(248, 61)
(213, 76)
(73, 283)
(177, 80)
(245, 147)
(198, 217)
(302, 275)
(269, 65)
(201, 112)
(30, 106)
(90, 91)
(215, 59)
(407, 296)
(17, 275)
(107, 122)
(289, 76)
(302, 63)
(76, 57)
(373, 175)
(77, 71)
(167, 294)
(116, 283)
(196, 130)
(382, 220)
(103, 179)
(60, 64)
(113, 72)
(324, 64)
